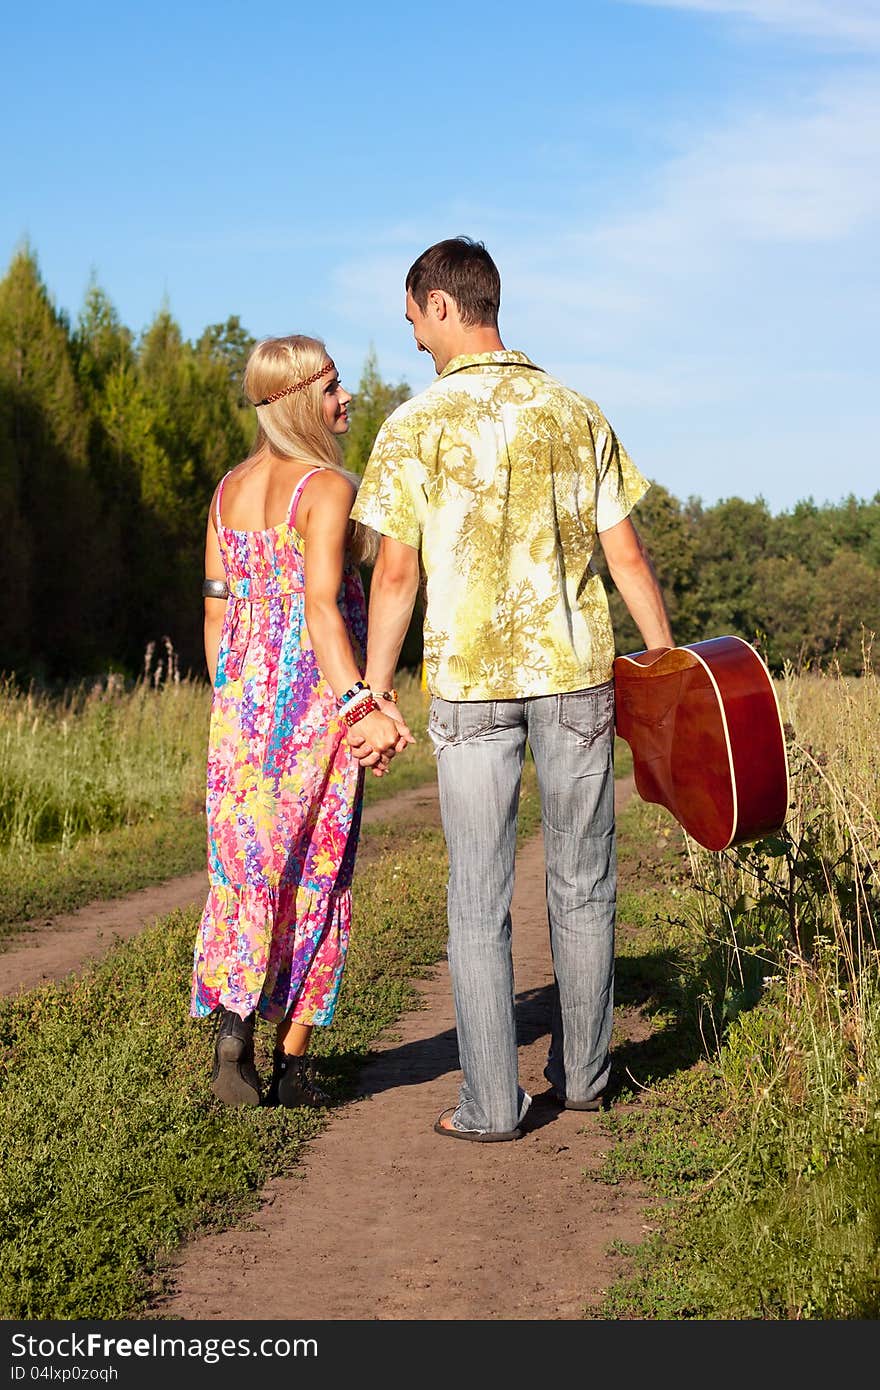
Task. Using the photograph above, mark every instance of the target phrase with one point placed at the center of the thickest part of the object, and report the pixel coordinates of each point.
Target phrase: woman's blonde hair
(293, 425)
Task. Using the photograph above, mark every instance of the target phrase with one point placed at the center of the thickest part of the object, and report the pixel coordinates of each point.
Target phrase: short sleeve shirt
(502, 477)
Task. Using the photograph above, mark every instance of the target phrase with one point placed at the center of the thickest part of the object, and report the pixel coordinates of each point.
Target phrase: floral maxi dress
(284, 793)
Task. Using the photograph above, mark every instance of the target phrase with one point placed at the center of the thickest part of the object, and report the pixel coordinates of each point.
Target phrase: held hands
(379, 737)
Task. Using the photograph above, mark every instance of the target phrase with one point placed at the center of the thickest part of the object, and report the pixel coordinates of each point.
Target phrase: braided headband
(297, 385)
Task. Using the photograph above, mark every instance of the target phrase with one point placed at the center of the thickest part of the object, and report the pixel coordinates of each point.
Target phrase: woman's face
(335, 401)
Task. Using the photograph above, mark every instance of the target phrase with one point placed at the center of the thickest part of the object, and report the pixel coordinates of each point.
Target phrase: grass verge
(752, 1114)
(42, 881)
(114, 1150)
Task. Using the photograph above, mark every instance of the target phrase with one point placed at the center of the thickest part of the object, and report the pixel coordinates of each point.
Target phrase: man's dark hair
(465, 271)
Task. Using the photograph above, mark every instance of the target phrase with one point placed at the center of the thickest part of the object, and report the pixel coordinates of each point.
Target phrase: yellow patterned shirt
(501, 476)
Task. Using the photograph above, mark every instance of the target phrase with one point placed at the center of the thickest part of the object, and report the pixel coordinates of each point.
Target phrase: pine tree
(228, 345)
(197, 432)
(16, 629)
(372, 403)
(46, 479)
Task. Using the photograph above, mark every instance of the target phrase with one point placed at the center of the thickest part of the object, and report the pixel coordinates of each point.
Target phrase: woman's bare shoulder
(332, 487)
(233, 475)
(326, 500)
(241, 471)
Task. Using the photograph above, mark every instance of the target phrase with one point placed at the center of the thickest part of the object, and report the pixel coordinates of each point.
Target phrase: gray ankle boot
(234, 1079)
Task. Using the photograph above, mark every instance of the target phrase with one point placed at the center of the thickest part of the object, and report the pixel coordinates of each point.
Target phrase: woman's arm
(322, 519)
(215, 608)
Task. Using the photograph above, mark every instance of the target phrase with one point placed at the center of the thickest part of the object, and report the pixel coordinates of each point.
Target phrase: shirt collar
(502, 358)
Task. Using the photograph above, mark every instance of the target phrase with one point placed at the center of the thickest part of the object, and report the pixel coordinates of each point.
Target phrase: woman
(285, 633)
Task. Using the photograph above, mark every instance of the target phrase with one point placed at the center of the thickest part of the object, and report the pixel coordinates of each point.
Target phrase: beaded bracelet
(350, 694)
(359, 711)
(349, 705)
(388, 695)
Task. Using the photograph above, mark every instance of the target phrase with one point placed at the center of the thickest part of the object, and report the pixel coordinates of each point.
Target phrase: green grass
(43, 881)
(98, 758)
(751, 1108)
(114, 1150)
(756, 1221)
(102, 791)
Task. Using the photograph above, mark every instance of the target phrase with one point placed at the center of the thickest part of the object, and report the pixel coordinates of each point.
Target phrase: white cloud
(777, 177)
(799, 178)
(853, 23)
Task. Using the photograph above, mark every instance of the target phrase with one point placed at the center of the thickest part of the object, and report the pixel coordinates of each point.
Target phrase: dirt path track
(387, 1220)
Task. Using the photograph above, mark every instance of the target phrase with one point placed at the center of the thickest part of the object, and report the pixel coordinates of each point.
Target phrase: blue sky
(682, 197)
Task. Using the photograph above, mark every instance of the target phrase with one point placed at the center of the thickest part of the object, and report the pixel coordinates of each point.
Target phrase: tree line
(111, 444)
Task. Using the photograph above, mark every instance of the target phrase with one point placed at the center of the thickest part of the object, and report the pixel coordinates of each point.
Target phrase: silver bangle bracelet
(215, 588)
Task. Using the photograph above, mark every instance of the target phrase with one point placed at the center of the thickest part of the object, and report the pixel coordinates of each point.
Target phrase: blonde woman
(285, 635)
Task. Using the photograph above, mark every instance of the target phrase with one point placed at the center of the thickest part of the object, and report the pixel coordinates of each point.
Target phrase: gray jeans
(480, 750)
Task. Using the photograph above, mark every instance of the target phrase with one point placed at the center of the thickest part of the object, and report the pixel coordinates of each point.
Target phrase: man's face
(424, 327)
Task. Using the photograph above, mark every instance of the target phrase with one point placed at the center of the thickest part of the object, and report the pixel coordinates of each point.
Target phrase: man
(501, 479)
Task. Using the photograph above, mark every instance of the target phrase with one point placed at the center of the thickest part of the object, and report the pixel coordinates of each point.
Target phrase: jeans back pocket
(588, 713)
(456, 721)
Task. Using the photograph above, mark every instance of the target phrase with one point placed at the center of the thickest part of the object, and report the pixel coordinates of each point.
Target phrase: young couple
(498, 481)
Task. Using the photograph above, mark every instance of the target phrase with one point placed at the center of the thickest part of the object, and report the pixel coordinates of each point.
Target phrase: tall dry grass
(98, 757)
(102, 789)
(790, 995)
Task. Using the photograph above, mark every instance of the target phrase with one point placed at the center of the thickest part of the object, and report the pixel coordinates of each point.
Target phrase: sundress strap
(297, 493)
(219, 495)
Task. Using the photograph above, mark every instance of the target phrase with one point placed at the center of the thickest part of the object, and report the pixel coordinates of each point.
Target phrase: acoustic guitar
(705, 731)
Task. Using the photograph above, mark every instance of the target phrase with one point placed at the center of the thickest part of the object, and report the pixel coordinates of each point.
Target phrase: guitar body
(705, 731)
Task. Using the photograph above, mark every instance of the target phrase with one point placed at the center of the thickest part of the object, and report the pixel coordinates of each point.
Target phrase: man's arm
(631, 570)
(393, 588)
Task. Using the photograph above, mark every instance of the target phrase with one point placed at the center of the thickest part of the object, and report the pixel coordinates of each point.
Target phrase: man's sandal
(597, 1103)
(476, 1136)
